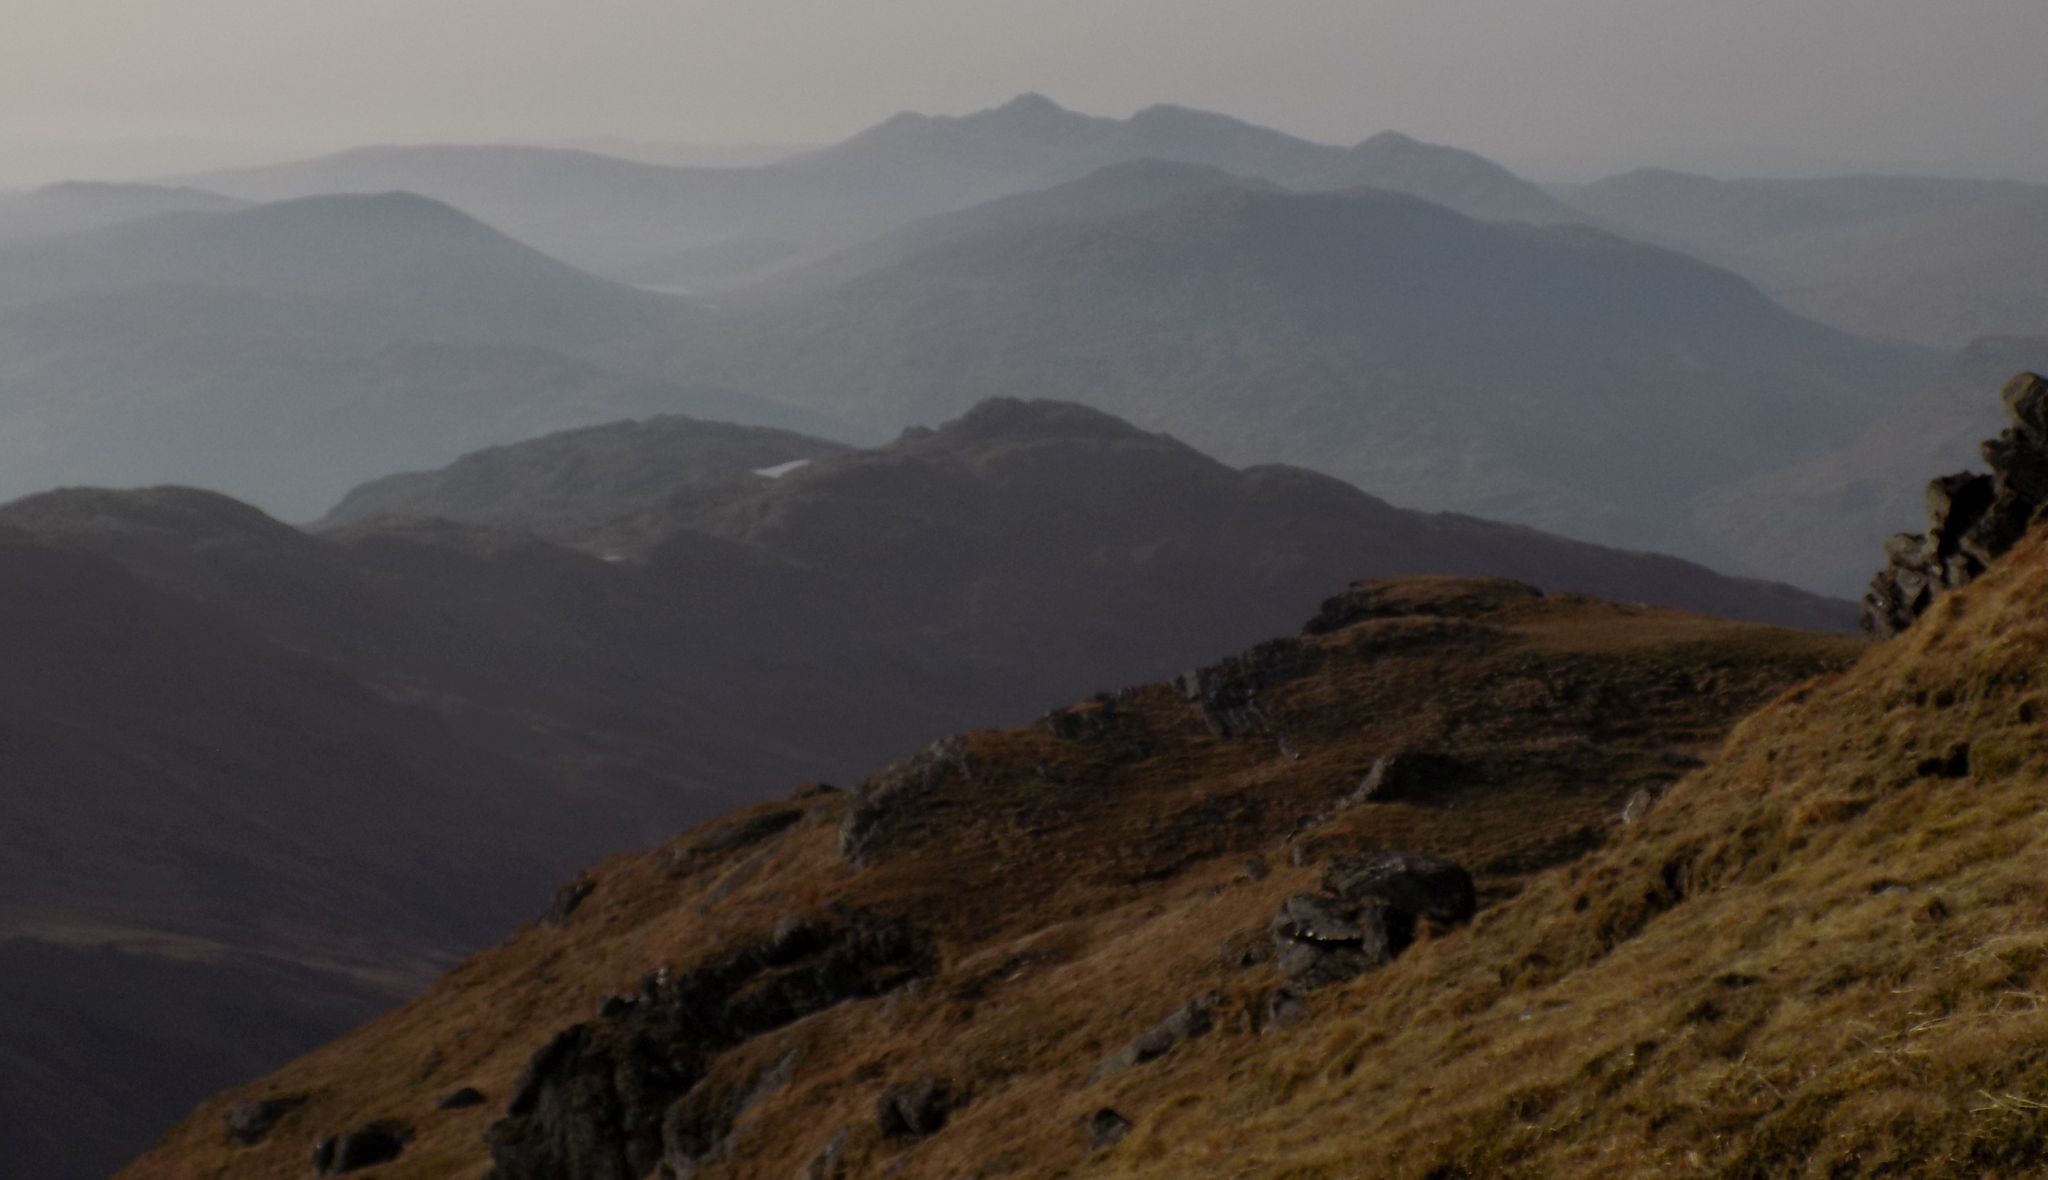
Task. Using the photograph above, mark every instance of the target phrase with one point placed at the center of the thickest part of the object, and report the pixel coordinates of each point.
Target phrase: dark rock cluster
(1973, 518)
(1366, 915)
(1407, 776)
(1229, 692)
(615, 1098)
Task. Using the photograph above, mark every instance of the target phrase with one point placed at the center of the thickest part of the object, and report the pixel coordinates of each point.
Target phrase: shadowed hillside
(1033, 902)
(267, 783)
(1162, 933)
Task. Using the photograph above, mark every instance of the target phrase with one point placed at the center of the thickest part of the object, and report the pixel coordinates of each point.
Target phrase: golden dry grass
(1708, 993)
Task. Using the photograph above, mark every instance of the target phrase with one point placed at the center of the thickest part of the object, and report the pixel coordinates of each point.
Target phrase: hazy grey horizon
(1563, 90)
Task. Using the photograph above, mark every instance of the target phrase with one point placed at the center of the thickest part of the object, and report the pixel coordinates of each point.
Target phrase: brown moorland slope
(981, 932)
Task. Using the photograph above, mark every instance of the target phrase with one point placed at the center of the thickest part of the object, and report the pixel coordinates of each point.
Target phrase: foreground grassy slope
(1076, 889)
(1825, 955)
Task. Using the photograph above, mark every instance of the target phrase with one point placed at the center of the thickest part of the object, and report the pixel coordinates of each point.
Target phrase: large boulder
(1367, 914)
(1318, 941)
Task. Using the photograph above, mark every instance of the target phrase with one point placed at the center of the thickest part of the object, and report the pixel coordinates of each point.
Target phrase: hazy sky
(1556, 87)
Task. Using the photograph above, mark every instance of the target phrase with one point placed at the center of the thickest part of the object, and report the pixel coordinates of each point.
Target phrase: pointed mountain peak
(1005, 419)
(1031, 103)
(1389, 140)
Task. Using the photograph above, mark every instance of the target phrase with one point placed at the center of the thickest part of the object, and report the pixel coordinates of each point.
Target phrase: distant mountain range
(1937, 262)
(283, 353)
(77, 206)
(283, 776)
(1554, 376)
(706, 226)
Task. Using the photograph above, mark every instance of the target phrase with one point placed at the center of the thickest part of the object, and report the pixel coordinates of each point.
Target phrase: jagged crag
(1020, 951)
(1974, 518)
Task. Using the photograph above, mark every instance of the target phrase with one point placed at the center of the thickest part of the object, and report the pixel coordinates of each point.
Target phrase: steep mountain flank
(1937, 262)
(1816, 522)
(1558, 377)
(1020, 950)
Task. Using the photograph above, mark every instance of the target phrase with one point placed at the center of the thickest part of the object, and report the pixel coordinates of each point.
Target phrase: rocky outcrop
(605, 1100)
(250, 1122)
(365, 1147)
(1972, 518)
(1366, 915)
(886, 804)
(1229, 693)
(567, 899)
(1470, 599)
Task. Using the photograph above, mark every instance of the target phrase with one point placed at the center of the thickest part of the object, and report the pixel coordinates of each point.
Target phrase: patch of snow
(781, 469)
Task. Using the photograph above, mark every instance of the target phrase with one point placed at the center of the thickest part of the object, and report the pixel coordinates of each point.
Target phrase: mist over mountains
(391, 535)
(1561, 377)
(702, 226)
(1931, 261)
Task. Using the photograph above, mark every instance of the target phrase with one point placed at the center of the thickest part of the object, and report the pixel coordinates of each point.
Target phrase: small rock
(1105, 1128)
(463, 1099)
(365, 1147)
(1256, 869)
(567, 899)
(915, 1110)
(249, 1122)
(1190, 1021)
(1638, 807)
